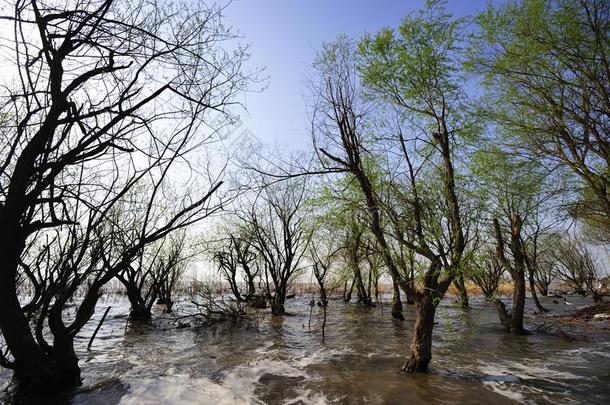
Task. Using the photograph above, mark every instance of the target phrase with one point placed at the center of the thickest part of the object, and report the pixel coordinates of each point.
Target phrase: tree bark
(279, 299)
(139, 311)
(517, 270)
(503, 314)
(397, 303)
(421, 343)
(516, 321)
(461, 287)
(34, 370)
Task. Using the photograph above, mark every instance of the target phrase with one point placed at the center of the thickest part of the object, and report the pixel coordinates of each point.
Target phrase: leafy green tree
(412, 75)
(416, 70)
(547, 68)
(520, 199)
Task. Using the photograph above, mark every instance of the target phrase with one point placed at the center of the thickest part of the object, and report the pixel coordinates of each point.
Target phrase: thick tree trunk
(397, 303)
(278, 301)
(516, 320)
(517, 271)
(139, 310)
(34, 370)
(361, 289)
(503, 314)
(421, 343)
(323, 296)
(66, 360)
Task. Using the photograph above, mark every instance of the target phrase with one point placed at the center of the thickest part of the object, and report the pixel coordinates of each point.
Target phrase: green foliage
(545, 64)
(508, 184)
(418, 67)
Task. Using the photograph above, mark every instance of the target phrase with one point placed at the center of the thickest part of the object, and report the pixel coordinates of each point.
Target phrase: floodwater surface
(281, 360)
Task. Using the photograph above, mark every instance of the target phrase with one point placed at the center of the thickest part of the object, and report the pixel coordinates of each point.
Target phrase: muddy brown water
(278, 360)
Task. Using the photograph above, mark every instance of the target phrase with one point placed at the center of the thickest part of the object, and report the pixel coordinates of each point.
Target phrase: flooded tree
(576, 266)
(170, 269)
(152, 274)
(277, 222)
(237, 261)
(141, 284)
(337, 205)
(323, 255)
(447, 152)
(355, 253)
(545, 63)
(546, 272)
(225, 258)
(430, 98)
(520, 199)
(487, 272)
(512, 321)
(85, 128)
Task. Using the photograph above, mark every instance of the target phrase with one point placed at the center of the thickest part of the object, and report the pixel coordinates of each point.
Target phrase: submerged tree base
(140, 314)
(416, 364)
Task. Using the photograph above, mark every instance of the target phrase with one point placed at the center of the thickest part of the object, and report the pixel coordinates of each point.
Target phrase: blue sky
(285, 36)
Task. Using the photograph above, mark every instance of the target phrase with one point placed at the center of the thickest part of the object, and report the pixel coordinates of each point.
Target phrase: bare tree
(546, 270)
(226, 259)
(576, 266)
(323, 254)
(170, 268)
(277, 223)
(153, 272)
(90, 119)
(487, 273)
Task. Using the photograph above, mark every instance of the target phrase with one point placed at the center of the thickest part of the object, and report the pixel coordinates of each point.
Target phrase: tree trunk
(396, 303)
(251, 288)
(347, 295)
(461, 287)
(543, 289)
(235, 288)
(34, 370)
(361, 288)
(530, 276)
(139, 311)
(411, 284)
(517, 271)
(66, 360)
(324, 322)
(323, 296)
(421, 344)
(516, 321)
(377, 289)
(503, 314)
(277, 304)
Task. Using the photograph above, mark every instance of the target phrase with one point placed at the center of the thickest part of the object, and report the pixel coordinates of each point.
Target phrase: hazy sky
(285, 36)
